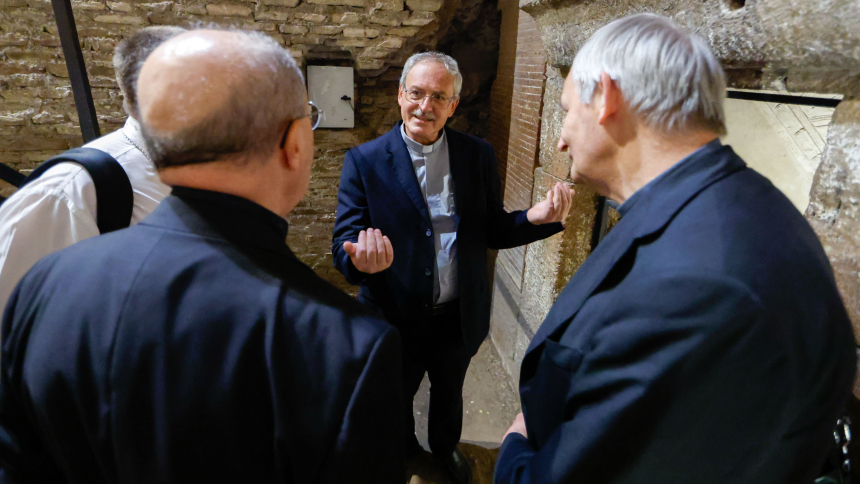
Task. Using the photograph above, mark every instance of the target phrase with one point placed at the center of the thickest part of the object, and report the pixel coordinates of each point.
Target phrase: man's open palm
(554, 207)
(372, 252)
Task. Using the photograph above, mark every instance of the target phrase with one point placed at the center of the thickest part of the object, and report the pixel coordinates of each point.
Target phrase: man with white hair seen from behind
(59, 208)
(704, 339)
(194, 346)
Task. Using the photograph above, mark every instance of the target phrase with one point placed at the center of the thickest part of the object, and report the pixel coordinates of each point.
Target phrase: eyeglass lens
(315, 115)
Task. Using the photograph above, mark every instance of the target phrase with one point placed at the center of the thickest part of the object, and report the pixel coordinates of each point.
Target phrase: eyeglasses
(315, 113)
(417, 97)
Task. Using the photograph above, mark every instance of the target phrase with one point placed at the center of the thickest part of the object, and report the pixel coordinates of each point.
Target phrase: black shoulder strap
(114, 197)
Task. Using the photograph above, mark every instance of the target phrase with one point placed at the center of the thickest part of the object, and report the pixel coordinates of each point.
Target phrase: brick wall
(527, 83)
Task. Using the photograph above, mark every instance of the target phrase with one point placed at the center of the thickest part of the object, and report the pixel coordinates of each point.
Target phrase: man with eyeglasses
(194, 346)
(417, 210)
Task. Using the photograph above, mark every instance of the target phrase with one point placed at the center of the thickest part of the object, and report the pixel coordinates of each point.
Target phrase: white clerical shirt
(433, 170)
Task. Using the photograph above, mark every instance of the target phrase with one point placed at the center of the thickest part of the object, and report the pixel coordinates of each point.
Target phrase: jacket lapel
(653, 213)
(404, 172)
(460, 169)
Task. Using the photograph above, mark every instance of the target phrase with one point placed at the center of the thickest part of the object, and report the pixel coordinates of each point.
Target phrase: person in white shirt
(59, 208)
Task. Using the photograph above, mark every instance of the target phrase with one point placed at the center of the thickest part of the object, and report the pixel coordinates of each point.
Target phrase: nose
(425, 104)
(562, 146)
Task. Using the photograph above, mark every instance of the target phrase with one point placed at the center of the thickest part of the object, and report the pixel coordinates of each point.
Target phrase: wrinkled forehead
(430, 76)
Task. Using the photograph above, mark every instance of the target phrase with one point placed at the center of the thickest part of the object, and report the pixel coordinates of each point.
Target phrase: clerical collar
(418, 147)
(233, 211)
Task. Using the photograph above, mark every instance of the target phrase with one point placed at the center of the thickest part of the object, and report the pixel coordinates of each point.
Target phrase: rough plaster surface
(834, 205)
(811, 46)
(543, 259)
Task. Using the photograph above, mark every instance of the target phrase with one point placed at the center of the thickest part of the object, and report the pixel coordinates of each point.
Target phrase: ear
(610, 97)
(290, 156)
(454, 103)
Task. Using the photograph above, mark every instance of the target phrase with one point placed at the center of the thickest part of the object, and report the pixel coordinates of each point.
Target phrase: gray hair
(669, 77)
(446, 60)
(250, 123)
(129, 56)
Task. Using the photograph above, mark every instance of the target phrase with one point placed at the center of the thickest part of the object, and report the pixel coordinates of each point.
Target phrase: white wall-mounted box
(332, 90)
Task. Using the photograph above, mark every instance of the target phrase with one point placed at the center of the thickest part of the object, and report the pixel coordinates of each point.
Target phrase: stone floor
(490, 405)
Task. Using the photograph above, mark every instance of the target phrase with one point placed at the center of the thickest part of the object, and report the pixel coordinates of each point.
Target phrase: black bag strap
(114, 197)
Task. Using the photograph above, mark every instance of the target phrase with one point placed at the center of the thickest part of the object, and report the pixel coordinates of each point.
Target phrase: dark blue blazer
(704, 341)
(379, 189)
(194, 347)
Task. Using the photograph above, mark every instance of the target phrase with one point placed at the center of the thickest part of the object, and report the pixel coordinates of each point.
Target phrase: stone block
(58, 70)
(346, 18)
(228, 10)
(551, 160)
(369, 64)
(327, 29)
(360, 32)
(391, 19)
(33, 144)
(192, 9)
(395, 5)
(13, 3)
(403, 31)
(281, 3)
(159, 7)
(390, 42)
(311, 17)
(352, 42)
(17, 118)
(350, 3)
(277, 15)
(420, 18)
(48, 117)
(293, 29)
(120, 19)
(120, 7)
(305, 39)
(94, 6)
(834, 204)
(551, 262)
(374, 53)
(424, 5)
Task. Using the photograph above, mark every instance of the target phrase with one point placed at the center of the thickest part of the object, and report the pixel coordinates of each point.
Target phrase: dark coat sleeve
(372, 428)
(352, 217)
(700, 351)
(508, 229)
(23, 457)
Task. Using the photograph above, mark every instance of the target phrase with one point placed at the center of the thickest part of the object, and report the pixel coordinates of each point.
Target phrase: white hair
(446, 60)
(669, 77)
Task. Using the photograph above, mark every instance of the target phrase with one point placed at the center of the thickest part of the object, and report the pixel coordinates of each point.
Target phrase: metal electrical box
(331, 89)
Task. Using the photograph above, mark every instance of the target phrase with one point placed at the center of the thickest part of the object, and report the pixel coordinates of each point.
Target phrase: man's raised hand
(554, 208)
(372, 253)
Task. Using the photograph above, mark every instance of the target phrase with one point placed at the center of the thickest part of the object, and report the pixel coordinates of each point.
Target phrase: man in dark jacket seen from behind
(194, 346)
(704, 339)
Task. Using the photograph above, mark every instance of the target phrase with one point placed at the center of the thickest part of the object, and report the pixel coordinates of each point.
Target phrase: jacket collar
(652, 212)
(404, 171)
(221, 216)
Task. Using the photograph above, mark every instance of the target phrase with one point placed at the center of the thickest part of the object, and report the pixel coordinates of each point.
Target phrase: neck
(648, 156)
(252, 183)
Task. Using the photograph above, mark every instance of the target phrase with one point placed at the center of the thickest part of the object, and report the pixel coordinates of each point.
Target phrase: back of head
(669, 77)
(130, 55)
(212, 95)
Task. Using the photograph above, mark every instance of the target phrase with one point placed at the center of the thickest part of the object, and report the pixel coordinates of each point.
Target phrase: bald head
(209, 95)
